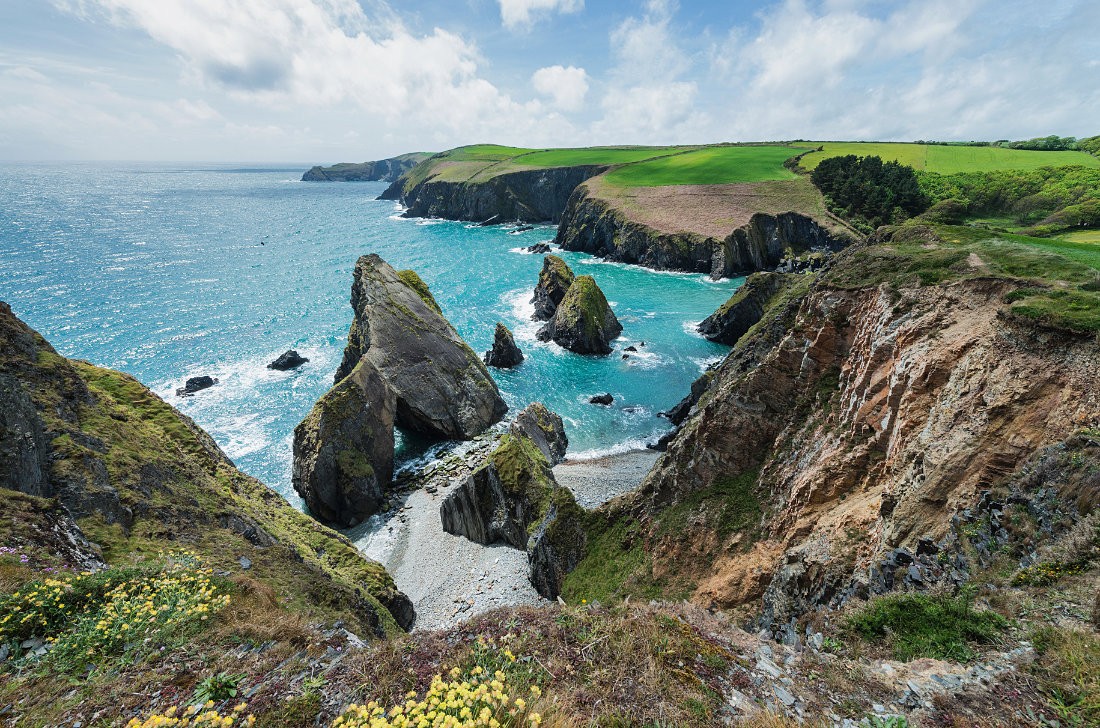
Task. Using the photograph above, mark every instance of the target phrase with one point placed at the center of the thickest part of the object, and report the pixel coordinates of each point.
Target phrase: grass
(595, 155)
(712, 165)
(919, 625)
(1082, 236)
(951, 159)
(1067, 668)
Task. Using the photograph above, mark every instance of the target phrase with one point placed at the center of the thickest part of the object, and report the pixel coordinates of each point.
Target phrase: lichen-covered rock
(343, 450)
(554, 280)
(514, 498)
(744, 308)
(545, 429)
(584, 322)
(443, 389)
(504, 354)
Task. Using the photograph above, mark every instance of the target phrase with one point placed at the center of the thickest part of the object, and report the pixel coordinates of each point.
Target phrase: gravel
(594, 482)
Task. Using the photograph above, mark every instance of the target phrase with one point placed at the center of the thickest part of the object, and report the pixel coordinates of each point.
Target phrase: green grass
(595, 155)
(952, 159)
(1082, 236)
(712, 165)
(918, 625)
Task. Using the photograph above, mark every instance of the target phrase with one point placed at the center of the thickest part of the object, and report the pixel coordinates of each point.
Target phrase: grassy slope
(712, 165)
(952, 159)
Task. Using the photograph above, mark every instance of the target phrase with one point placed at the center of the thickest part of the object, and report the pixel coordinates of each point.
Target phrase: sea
(168, 271)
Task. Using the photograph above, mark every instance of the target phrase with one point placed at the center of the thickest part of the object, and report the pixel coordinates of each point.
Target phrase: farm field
(1082, 236)
(951, 159)
(708, 166)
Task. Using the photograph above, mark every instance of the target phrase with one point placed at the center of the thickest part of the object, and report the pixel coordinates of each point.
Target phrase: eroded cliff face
(867, 425)
(537, 195)
(594, 225)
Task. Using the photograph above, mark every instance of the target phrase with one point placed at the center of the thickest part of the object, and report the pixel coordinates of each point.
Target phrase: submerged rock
(196, 384)
(343, 450)
(545, 429)
(583, 322)
(604, 399)
(744, 308)
(504, 354)
(289, 359)
(554, 280)
(442, 387)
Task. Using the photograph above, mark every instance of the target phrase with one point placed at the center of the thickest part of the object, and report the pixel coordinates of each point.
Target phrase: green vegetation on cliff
(709, 166)
(944, 159)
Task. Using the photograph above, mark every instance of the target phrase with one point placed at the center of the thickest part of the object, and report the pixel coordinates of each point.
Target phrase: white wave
(423, 221)
(704, 363)
(621, 448)
(643, 359)
(691, 328)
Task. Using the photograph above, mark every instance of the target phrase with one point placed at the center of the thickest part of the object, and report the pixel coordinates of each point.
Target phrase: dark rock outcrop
(554, 280)
(196, 384)
(289, 359)
(540, 248)
(537, 195)
(504, 354)
(513, 498)
(584, 322)
(680, 411)
(23, 463)
(442, 387)
(343, 450)
(744, 308)
(545, 429)
(604, 399)
(382, 170)
(595, 226)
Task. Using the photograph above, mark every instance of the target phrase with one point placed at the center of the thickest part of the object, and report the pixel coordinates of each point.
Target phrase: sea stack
(443, 389)
(583, 322)
(504, 354)
(554, 280)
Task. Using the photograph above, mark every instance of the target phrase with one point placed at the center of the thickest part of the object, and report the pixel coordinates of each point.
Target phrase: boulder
(744, 308)
(604, 399)
(545, 429)
(540, 248)
(554, 280)
(583, 322)
(343, 450)
(514, 498)
(289, 359)
(504, 354)
(196, 384)
(443, 389)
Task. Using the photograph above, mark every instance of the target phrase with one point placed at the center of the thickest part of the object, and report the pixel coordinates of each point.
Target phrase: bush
(919, 625)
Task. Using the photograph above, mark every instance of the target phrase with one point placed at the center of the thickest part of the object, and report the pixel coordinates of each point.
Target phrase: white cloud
(567, 87)
(523, 13)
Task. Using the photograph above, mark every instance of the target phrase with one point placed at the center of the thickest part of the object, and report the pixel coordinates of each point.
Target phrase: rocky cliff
(583, 321)
(853, 421)
(382, 170)
(536, 195)
(597, 226)
(746, 307)
(105, 465)
(442, 387)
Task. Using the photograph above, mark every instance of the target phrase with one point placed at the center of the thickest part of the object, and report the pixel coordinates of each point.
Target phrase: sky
(352, 80)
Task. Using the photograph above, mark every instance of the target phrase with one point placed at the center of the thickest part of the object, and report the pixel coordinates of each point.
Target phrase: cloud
(523, 13)
(567, 87)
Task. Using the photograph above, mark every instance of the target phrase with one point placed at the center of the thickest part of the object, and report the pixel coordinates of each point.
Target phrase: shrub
(869, 191)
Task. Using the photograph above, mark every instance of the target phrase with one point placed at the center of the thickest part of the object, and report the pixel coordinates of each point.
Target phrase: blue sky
(331, 80)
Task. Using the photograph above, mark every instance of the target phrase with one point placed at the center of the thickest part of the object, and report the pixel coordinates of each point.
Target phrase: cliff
(115, 472)
(382, 170)
(851, 427)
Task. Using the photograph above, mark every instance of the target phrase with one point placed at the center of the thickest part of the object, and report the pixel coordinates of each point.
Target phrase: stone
(555, 279)
(196, 384)
(442, 387)
(504, 354)
(604, 399)
(545, 429)
(584, 322)
(245, 562)
(631, 348)
(539, 248)
(343, 450)
(289, 359)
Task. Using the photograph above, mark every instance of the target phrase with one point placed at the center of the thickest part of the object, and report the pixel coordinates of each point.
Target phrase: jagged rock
(343, 450)
(744, 308)
(513, 498)
(539, 248)
(604, 399)
(523, 229)
(504, 354)
(442, 387)
(196, 384)
(23, 462)
(545, 429)
(584, 322)
(289, 359)
(554, 280)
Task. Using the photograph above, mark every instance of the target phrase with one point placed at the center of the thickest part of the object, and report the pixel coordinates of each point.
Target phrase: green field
(709, 166)
(1082, 236)
(951, 159)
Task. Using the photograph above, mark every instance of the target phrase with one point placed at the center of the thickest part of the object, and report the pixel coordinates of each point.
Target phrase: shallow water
(169, 271)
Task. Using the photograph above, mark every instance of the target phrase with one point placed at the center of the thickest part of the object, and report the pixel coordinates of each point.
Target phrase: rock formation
(554, 280)
(443, 389)
(583, 322)
(196, 384)
(504, 354)
(744, 308)
(289, 359)
(343, 450)
(382, 170)
(513, 498)
(604, 399)
(545, 429)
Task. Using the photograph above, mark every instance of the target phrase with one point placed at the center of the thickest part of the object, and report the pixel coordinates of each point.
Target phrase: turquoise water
(166, 272)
